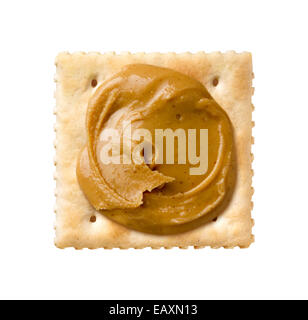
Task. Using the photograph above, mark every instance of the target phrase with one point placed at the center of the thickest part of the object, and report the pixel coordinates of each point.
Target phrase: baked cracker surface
(233, 92)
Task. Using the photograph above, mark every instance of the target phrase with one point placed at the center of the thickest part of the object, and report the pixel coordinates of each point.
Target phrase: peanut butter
(156, 196)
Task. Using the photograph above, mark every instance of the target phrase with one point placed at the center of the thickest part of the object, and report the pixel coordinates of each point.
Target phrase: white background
(33, 32)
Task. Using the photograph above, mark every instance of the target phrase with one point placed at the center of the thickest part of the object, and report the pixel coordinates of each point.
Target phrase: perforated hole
(92, 219)
(178, 116)
(94, 83)
(215, 81)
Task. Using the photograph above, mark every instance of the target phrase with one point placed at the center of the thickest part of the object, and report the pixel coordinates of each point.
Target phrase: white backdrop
(33, 32)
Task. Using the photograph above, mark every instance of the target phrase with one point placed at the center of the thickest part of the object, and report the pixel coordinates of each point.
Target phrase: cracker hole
(215, 219)
(94, 83)
(178, 116)
(92, 219)
(215, 81)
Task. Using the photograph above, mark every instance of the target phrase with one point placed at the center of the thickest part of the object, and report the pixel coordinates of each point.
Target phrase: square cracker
(73, 212)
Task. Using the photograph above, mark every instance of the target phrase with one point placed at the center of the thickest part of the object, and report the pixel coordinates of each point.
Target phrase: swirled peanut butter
(146, 185)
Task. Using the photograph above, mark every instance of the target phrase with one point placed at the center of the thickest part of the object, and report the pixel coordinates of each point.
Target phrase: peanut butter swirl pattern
(156, 198)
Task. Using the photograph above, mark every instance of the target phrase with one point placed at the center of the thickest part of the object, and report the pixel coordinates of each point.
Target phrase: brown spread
(154, 196)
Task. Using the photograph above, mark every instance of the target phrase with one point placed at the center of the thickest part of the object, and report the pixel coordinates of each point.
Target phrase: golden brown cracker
(228, 78)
